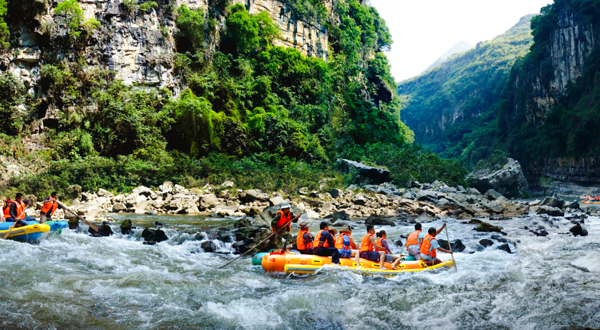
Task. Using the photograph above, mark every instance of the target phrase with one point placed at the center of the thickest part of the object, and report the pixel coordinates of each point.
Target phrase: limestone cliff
(139, 45)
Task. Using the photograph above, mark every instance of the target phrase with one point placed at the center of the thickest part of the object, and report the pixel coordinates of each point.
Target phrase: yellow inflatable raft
(308, 264)
(32, 232)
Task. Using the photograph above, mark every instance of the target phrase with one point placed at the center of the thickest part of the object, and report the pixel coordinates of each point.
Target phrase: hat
(285, 206)
(346, 229)
(333, 231)
(303, 224)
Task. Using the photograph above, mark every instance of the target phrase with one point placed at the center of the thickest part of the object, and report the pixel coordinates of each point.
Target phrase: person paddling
(367, 249)
(430, 246)
(281, 227)
(50, 206)
(324, 245)
(304, 241)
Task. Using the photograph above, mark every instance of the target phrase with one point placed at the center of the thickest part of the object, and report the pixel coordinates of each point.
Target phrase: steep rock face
(140, 46)
(569, 46)
(570, 169)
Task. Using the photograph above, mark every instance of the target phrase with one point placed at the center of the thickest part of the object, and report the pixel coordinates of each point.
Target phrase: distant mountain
(458, 48)
(448, 104)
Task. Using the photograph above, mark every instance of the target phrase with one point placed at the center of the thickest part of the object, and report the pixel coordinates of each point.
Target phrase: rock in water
(209, 246)
(399, 243)
(554, 202)
(486, 242)
(372, 174)
(509, 180)
(578, 230)
(341, 215)
(505, 247)
(499, 238)
(377, 220)
(486, 227)
(457, 245)
(541, 231)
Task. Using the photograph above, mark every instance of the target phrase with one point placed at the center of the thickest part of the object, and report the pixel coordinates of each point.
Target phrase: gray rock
(554, 202)
(499, 238)
(492, 207)
(574, 205)
(335, 193)
(275, 201)
(360, 199)
(486, 242)
(578, 230)
(208, 201)
(314, 194)
(410, 195)
(427, 196)
(473, 191)
(377, 220)
(505, 247)
(509, 180)
(119, 207)
(209, 246)
(303, 191)
(252, 195)
(549, 210)
(461, 189)
(166, 188)
(492, 194)
(341, 215)
(457, 245)
(143, 191)
(373, 175)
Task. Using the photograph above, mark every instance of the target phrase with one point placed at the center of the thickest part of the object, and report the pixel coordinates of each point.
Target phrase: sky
(423, 30)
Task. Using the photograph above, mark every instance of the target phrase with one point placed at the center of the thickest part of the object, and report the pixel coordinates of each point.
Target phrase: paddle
(255, 246)
(7, 233)
(450, 246)
(80, 218)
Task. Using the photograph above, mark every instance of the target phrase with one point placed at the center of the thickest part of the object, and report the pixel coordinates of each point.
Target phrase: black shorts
(370, 255)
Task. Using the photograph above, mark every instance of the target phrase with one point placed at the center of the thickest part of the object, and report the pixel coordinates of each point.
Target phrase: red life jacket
(317, 243)
(413, 239)
(285, 218)
(365, 244)
(49, 206)
(426, 245)
(300, 243)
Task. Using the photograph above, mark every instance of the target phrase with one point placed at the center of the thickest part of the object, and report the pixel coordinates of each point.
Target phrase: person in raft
(49, 207)
(304, 241)
(345, 244)
(324, 245)
(430, 246)
(382, 241)
(281, 226)
(413, 242)
(15, 212)
(367, 249)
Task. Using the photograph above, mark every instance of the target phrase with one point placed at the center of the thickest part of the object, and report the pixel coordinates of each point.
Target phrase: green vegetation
(73, 16)
(266, 117)
(4, 32)
(453, 108)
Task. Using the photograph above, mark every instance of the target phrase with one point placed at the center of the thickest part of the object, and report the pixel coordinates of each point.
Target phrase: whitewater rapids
(74, 281)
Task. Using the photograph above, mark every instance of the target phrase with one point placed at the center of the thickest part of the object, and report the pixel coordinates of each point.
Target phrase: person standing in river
(281, 227)
(430, 246)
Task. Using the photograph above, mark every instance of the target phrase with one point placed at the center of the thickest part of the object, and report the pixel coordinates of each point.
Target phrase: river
(75, 281)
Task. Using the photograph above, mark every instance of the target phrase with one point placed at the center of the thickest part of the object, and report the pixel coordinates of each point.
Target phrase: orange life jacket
(285, 218)
(6, 208)
(339, 242)
(317, 243)
(380, 243)
(413, 239)
(20, 210)
(365, 244)
(49, 206)
(300, 243)
(426, 245)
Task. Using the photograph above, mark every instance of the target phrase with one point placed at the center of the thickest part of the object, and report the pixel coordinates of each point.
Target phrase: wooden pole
(450, 246)
(80, 218)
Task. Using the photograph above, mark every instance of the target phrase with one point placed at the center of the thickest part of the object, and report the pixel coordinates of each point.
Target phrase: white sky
(423, 30)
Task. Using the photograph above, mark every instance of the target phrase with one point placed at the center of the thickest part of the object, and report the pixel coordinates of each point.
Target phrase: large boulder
(554, 202)
(508, 180)
(253, 196)
(377, 220)
(371, 174)
(208, 201)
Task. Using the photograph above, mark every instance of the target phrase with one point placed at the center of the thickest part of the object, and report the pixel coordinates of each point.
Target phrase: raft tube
(57, 225)
(309, 264)
(590, 202)
(30, 233)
